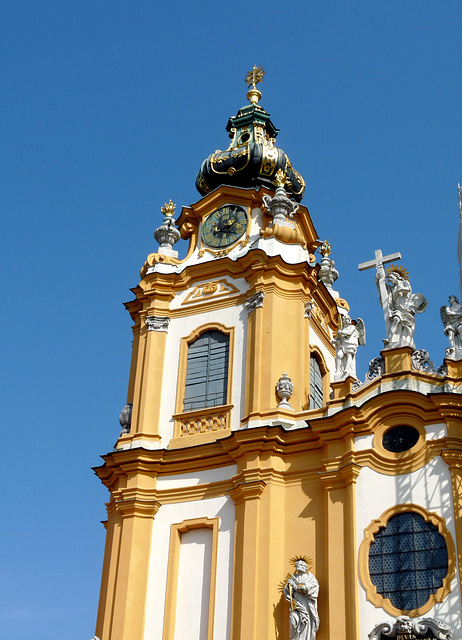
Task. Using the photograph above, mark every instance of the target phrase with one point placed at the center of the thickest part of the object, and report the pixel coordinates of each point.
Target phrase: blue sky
(107, 110)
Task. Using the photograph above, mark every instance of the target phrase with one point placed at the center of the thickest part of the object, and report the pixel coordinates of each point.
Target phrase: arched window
(316, 395)
(207, 371)
(408, 561)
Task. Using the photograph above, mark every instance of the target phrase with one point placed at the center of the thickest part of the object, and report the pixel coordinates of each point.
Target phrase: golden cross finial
(168, 209)
(255, 76)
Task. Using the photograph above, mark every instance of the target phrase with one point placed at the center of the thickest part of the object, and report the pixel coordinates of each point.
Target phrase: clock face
(225, 225)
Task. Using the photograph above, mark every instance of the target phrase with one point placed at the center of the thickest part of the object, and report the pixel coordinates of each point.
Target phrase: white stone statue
(398, 302)
(402, 306)
(301, 591)
(451, 315)
(349, 336)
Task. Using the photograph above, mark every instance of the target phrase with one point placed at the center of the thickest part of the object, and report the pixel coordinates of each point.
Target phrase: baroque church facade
(248, 443)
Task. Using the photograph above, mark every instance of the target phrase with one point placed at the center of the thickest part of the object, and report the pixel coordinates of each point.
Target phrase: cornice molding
(340, 478)
(134, 507)
(247, 491)
(322, 430)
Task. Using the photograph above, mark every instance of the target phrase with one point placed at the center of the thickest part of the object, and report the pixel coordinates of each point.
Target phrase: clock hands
(224, 226)
(230, 225)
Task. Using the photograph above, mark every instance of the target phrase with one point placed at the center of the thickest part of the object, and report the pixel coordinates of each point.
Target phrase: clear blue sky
(106, 111)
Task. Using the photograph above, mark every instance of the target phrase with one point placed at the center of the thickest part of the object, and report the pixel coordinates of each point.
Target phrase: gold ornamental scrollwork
(202, 183)
(238, 152)
(222, 252)
(269, 160)
(215, 289)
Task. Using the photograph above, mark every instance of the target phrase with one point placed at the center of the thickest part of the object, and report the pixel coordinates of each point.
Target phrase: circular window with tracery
(400, 438)
(409, 564)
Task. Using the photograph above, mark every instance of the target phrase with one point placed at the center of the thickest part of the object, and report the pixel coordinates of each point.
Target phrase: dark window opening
(408, 561)
(401, 438)
(207, 371)
(316, 394)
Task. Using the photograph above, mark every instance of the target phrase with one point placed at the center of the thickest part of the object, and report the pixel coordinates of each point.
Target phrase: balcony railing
(205, 420)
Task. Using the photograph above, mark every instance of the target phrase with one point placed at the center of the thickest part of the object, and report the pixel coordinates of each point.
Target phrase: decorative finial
(327, 273)
(255, 76)
(280, 178)
(397, 268)
(252, 78)
(167, 234)
(168, 209)
(459, 238)
(284, 389)
(325, 249)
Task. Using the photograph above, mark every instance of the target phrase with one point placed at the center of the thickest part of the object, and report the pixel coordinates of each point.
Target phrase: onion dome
(252, 159)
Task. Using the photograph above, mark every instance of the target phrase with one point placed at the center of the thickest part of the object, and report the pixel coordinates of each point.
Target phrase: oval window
(401, 438)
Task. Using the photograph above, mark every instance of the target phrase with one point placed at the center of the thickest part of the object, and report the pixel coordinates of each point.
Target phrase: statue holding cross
(398, 302)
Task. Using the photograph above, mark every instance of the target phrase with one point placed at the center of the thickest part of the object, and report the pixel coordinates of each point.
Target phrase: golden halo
(306, 559)
(397, 268)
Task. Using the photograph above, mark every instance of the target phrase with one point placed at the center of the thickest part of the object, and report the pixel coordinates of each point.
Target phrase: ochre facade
(240, 488)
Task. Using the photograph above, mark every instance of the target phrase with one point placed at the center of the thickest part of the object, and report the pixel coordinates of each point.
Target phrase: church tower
(247, 440)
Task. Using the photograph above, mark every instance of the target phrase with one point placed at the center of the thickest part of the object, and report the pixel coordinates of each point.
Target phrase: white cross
(379, 261)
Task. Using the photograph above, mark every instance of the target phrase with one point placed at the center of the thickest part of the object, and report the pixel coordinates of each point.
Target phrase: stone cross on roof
(378, 262)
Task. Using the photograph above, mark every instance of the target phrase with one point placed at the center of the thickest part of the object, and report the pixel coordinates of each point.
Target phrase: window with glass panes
(316, 396)
(207, 371)
(408, 561)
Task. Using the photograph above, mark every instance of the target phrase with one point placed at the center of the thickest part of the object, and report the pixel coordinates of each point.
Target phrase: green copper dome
(252, 159)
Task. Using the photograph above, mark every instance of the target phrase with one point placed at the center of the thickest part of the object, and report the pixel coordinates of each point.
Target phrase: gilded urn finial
(252, 78)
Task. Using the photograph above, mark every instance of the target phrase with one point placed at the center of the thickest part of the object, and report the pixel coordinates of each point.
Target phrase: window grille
(316, 395)
(401, 438)
(207, 371)
(408, 561)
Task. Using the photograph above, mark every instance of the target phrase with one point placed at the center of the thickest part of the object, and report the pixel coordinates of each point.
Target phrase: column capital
(157, 323)
(247, 491)
(340, 478)
(255, 301)
(453, 458)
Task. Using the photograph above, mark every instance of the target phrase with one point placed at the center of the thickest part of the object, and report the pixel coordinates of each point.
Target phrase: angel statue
(451, 315)
(301, 591)
(350, 334)
(402, 306)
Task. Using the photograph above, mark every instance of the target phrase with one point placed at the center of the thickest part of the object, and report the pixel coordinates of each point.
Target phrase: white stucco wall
(194, 584)
(169, 514)
(233, 316)
(429, 487)
(195, 478)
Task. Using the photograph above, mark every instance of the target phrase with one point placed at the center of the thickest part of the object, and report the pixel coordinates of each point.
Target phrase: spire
(252, 78)
(459, 239)
(252, 158)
